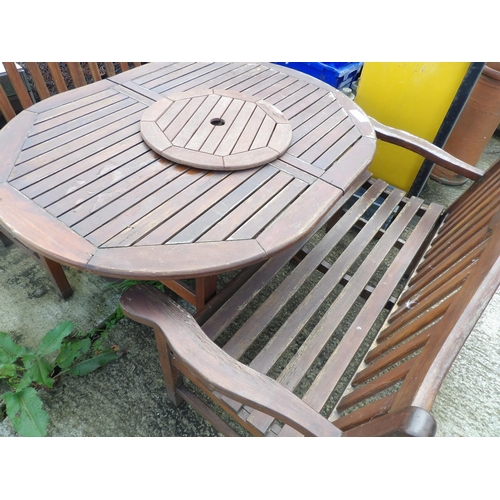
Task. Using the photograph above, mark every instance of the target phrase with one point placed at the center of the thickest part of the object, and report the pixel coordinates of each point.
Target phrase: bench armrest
(425, 149)
(200, 359)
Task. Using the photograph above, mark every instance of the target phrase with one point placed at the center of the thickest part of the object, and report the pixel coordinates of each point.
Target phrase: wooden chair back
(424, 333)
(52, 77)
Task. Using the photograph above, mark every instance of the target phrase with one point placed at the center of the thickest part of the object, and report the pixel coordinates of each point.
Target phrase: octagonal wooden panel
(216, 129)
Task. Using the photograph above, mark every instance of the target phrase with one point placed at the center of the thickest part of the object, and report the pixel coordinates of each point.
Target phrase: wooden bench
(350, 335)
(48, 79)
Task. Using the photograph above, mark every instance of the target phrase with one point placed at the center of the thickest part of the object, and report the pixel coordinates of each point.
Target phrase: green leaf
(89, 365)
(24, 382)
(51, 342)
(39, 370)
(9, 350)
(24, 408)
(72, 351)
(7, 371)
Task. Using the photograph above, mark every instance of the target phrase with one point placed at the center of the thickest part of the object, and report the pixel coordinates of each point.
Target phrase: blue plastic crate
(336, 74)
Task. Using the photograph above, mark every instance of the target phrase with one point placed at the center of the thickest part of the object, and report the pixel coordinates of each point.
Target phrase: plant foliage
(24, 371)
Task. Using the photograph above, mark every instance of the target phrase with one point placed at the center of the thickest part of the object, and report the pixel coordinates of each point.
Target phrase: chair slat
(38, 80)
(57, 76)
(76, 73)
(413, 308)
(5, 106)
(94, 70)
(110, 68)
(365, 413)
(376, 386)
(396, 355)
(18, 84)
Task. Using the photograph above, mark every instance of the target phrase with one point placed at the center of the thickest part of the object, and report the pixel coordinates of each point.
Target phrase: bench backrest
(52, 77)
(433, 317)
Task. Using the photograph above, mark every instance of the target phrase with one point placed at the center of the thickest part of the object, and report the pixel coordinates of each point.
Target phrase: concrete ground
(128, 396)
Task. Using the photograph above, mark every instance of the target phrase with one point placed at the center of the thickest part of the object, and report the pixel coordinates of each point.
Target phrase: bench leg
(57, 276)
(172, 376)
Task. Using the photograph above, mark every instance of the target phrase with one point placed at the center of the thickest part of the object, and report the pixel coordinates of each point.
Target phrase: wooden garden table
(86, 180)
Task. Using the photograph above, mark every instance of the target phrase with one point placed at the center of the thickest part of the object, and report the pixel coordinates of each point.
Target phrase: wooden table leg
(57, 276)
(5, 240)
(205, 289)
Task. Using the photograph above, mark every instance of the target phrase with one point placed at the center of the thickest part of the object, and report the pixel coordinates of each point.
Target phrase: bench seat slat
(330, 374)
(352, 339)
(215, 323)
(247, 334)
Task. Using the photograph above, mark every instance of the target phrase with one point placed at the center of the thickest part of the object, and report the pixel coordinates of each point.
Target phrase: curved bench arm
(425, 149)
(200, 359)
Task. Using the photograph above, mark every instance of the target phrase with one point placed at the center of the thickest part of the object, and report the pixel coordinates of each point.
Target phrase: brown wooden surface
(321, 328)
(216, 129)
(10, 143)
(79, 166)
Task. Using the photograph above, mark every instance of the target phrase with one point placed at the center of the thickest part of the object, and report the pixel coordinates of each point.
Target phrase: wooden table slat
(11, 140)
(345, 135)
(312, 121)
(62, 192)
(315, 112)
(305, 104)
(83, 132)
(259, 75)
(218, 133)
(62, 118)
(37, 169)
(313, 136)
(200, 115)
(123, 214)
(229, 224)
(78, 127)
(137, 221)
(226, 205)
(61, 103)
(318, 199)
(255, 224)
(201, 135)
(329, 141)
(279, 86)
(216, 76)
(190, 79)
(162, 72)
(285, 93)
(261, 87)
(296, 97)
(341, 174)
(241, 121)
(172, 125)
(199, 205)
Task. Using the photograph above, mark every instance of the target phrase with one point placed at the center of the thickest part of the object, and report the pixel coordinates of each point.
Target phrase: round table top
(80, 185)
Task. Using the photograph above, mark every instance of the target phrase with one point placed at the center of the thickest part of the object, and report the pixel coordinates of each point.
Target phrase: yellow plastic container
(410, 96)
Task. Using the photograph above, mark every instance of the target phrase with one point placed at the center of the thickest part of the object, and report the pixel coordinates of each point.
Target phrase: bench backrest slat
(431, 321)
